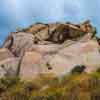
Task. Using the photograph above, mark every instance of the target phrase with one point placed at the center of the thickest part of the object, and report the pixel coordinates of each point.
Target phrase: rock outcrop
(54, 48)
(20, 42)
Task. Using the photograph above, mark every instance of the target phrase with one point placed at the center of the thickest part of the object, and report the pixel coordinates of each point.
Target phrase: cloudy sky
(21, 13)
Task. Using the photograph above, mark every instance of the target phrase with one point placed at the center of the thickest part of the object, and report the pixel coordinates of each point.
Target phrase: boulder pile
(54, 48)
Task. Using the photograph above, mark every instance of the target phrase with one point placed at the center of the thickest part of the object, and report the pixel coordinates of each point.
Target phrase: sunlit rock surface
(54, 48)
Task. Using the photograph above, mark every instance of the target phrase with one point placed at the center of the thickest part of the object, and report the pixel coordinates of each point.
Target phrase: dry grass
(73, 87)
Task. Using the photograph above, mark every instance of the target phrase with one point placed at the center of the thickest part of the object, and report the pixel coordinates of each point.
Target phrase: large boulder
(61, 62)
(42, 35)
(57, 33)
(54, 48)
(35, 28)
(19, 43)
(86, 53)
(87, 27)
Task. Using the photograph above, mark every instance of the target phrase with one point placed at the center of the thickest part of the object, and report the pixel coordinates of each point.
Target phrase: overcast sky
(21, 13)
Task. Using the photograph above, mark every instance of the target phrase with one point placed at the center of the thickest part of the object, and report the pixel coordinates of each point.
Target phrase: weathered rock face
(64, 32)
(54, 48)
(56, 33)
(61, 62)
(30, 65)
(8, 64)
(84, 53)
(87, 27)
(20, 43)
(35, 28)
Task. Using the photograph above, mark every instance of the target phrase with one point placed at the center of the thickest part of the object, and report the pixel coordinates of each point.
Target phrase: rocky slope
(54, 48)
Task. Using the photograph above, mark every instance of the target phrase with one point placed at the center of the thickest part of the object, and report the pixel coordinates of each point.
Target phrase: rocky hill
(55, 48)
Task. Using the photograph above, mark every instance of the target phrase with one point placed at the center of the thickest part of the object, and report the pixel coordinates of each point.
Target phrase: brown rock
(64, 32)
(35, 28)
(42, 35)
(19, 42)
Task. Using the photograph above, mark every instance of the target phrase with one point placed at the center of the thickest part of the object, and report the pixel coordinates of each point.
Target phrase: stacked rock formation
(54, 48)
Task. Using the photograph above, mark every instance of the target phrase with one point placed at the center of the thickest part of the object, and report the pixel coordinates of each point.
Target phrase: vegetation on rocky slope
(68, 87)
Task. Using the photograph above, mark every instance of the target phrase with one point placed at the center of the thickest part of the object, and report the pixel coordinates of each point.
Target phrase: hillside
(51, 58)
